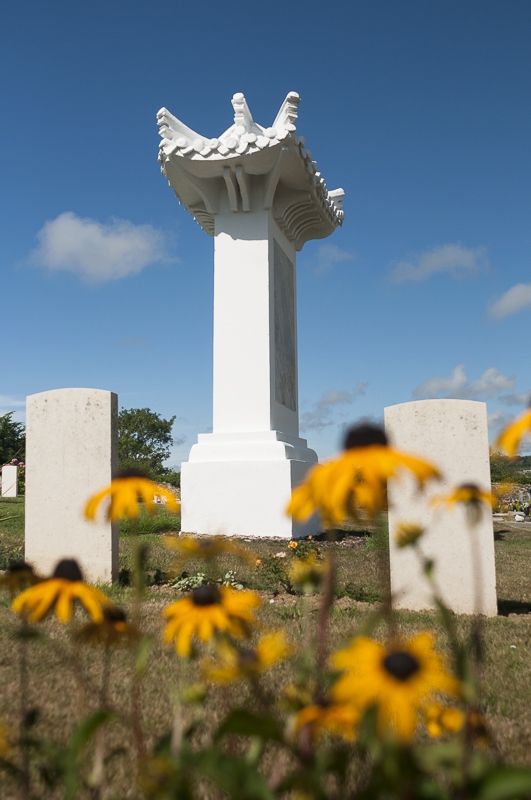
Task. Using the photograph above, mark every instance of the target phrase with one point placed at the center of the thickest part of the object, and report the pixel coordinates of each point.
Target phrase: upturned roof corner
(250, 167)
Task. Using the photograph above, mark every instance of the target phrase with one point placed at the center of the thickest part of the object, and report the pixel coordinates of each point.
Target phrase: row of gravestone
(71, 452)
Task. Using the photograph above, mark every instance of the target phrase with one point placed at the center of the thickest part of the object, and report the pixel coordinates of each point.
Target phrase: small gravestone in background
(453, 435)
(71, 453)
(9, 480)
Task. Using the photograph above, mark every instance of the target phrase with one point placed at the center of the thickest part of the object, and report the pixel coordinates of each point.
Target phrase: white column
(71, 453)
(453, 435)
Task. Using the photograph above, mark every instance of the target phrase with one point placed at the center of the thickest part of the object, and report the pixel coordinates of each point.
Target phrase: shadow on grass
(506, 607)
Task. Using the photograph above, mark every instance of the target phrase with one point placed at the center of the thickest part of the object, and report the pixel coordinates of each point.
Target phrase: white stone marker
(258, 192)
(71, 453)
(453, 435)
(10, 480)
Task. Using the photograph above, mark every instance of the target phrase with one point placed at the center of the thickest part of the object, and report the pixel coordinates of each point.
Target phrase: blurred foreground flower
(209, 609)
(509, 440)
(407, 534)
(442, 719)
(357, 478)
(207, 547)
(59, 593)
(112, 630)
(307, 572)
(339, 719)
(19, 576)
(471, 496)
(236, 663)
(399, 678)
(125, 491)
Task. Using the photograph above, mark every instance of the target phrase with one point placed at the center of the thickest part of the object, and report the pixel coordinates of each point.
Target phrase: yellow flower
(209, 609)
(356, 479)
(235, 663)
(399, 678)
(258, 562)
(125, 491)
(471, 496)
(293, 545)
(206, 547)
(442, 719)
(112, 630)
(307, 572)
(339, 719)
(19, 576)
(59, 593)
(407, 534)
(509, 440)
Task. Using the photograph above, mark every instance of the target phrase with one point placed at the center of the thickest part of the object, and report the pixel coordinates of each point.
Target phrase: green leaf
(506, 783)
(245, 723)
(235, 776)
(81, 737)
(142, 655)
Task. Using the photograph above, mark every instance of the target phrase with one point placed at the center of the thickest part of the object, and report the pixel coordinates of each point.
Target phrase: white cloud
(456, 259)
(515, 299)
(327, 255)
(518, 399)
(321, 414)
(490, 384)
(498, 419)
(97, 252)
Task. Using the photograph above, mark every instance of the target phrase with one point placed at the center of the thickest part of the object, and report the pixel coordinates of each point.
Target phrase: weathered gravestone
(71, 453)
(9, 480)
(258, 192)
(453, 435)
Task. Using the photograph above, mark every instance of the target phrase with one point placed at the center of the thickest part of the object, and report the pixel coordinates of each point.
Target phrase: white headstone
(9, 480)
(71, 453)
(453, 435)
(258, 192)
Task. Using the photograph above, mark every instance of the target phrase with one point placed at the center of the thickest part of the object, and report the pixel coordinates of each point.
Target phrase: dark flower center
(114, 614)
(364, 436)
(401, 665)
(19, 566)
(132, 472)
(247, 658)
(206, 596)
(68, 569)
(471, 488)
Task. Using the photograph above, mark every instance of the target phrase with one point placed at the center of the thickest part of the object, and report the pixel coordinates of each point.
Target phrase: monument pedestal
(258, 192)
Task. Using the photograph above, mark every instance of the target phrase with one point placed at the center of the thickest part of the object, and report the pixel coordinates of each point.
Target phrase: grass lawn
(359, 557)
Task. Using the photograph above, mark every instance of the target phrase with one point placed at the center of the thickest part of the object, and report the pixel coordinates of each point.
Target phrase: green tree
(12, 439)
(144, 440)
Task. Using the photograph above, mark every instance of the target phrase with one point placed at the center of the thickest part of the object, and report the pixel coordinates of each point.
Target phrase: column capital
(250, 168)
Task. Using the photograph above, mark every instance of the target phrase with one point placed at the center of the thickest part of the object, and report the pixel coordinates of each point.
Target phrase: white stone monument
(453, 435)
(71, 453)
(258, 192)
(9, 480)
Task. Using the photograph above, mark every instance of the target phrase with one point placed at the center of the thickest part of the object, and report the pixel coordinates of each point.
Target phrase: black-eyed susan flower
(357, 478)
(235, 663)
(407, 534)
(307, 572)
(440, 720)
(400, 678)
(18, 576)
(124, 493)
(469, 495)
(59, 593)
(207, 610)
(207, 547)
(509, 440)
(112, 630)
(337, 719)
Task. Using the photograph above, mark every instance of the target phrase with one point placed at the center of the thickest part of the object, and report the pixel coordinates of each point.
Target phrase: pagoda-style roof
(205, 173)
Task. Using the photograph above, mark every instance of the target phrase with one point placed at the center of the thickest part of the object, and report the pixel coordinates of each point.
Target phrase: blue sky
(419, 110)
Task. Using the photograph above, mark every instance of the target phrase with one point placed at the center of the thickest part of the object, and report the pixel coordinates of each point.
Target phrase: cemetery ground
(361, 558)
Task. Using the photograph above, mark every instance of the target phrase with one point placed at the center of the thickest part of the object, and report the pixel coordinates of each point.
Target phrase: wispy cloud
(98, 252)
(179, 440)
(456, 259)
(131, 342)
(327, 255)
(518, 399)
(490, 384)
(498, 419)
(321, 414)
(515, 299)
(6, 401)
